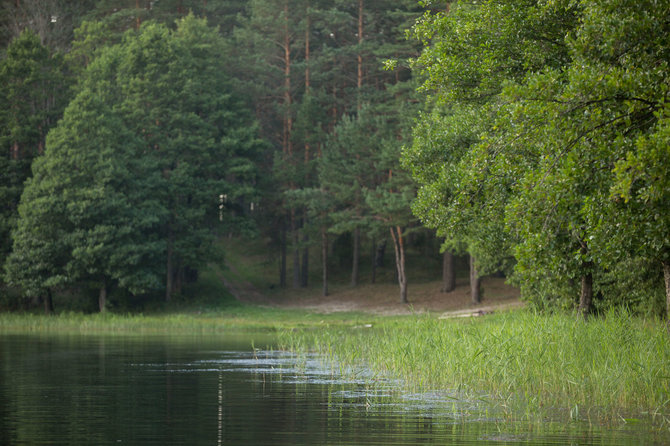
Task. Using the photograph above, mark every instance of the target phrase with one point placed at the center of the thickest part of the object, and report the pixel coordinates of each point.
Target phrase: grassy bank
(616, 367)
(237, 318)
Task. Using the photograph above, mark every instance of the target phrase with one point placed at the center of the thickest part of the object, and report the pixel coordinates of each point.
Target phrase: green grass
(615, 367)
(236, 318)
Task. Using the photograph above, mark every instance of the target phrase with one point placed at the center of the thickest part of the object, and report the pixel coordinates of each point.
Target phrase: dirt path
(383, 299)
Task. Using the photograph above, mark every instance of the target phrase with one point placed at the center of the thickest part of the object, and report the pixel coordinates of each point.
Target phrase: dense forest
(532, 136)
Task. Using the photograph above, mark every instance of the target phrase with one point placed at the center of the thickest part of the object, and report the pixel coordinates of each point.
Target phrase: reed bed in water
(615, 365)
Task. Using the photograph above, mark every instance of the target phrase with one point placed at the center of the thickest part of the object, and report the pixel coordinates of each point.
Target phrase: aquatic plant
(615, 366)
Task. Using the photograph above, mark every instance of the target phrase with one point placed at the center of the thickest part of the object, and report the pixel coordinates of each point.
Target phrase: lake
(161, 390)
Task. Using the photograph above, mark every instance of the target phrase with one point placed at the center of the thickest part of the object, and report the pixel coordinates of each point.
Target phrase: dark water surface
(218, 391)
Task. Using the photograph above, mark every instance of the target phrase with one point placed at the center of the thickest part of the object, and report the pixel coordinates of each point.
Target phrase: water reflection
(97, 390)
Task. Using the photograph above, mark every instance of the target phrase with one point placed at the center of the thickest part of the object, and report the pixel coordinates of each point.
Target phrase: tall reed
(615, 365)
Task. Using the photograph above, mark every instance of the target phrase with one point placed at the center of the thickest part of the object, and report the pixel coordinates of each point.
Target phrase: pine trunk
(380, 253)
(138, 19)
(102, 298)
(399, 246)
(475, 283)
(169, 274)
(288, 119)
(282, 256)
(48, 303)
(374, 260)
(304, 269)
(308, 29)
(324, 260)
(356, 256)
(448, 278)
(295, 241)
(359, 68)
(304, 274)
(296, 263)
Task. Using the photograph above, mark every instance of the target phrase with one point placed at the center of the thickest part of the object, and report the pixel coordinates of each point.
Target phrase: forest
(531, 137)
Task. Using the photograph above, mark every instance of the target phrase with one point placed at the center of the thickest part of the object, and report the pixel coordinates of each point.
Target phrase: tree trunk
(586, 295)
(295, 241)
(288, 119)
(399, 247)
(448, 278)
(48, 303)
(169, 274)
(304, 274)
(378, 252)
(379, 255)
(666, 276)
(102, 297)
(324, 260)
(138, 20)
(357, 248)
(304, 268)
(282, 256)
(178, 277)
(475, 283)
(359, 74)
(374, 260)
(308, 29)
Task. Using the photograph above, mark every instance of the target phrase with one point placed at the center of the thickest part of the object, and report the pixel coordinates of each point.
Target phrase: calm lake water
(218, 391)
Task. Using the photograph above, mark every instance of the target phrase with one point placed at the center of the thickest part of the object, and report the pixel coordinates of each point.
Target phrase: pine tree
(33, 93)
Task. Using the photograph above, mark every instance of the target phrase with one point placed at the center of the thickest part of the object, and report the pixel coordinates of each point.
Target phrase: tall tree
(470, 52)
(198, 131)
(584, 86)
(166, 94)
(89, 212)
(610, 101)
(271, 36)
(33, 93)
(346, 169)
(314, 62)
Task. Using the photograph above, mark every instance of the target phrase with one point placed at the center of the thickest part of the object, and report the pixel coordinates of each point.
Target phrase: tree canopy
(135, 133)
(566, 96)
(131, 179)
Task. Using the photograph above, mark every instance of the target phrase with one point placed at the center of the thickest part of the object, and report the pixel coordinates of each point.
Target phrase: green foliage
(33, 92)
(309, 70)
(347, 168)
(546, 116)
(603, 107)
(129, 188)
(360, 173)
(474, 51)
(88, 211)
